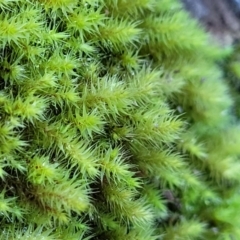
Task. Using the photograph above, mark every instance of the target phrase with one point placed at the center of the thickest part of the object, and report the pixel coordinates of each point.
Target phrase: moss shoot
(116, 122)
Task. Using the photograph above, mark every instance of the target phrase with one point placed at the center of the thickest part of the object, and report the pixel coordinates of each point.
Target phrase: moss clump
(115, 123)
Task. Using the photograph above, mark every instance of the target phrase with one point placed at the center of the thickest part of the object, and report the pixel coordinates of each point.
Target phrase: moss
(116, 122)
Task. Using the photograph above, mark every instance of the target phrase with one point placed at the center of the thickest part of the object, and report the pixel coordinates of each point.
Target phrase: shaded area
(222, 18)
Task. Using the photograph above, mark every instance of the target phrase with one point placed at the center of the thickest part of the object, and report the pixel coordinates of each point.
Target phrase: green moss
(116, 122)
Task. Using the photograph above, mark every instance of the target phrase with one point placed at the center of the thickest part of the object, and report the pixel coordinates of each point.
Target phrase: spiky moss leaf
(41, 83)
(140, 234)
(76, 230)
(205, 96)
(187, 229)
(31, 108)
(190, 144)
(155, 126)
(162, 164)
(131, 61)
(19, 28)
(161, 158)
(9, 208)
(40, 171)
(62, 64)
(81, 48)
(164, 38)
(89, 123)
(167, 5)
(64, 5)
(6, 4)
(110, 89)
(155, 198)
(11, 30)
(114, 230)
(115, 168)
(123, 202)
(224, 169)
(85, 21)
(54, 38)
(172, 84)
(28, 233)
(123, 7)
(109, 95)
(13, 162)
(119, 34)
(206, 103)
(146, 86)
(108, 222)
(226, 141)
(9, 139)
(3, 173)
(64, 139)
(13, 73)
(64, 196)
(49, 217)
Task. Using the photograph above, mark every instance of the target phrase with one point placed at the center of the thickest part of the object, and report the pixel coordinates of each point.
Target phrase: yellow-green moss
(115, 123)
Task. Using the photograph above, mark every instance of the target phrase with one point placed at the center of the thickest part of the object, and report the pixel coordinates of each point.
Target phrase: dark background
(220, 17)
